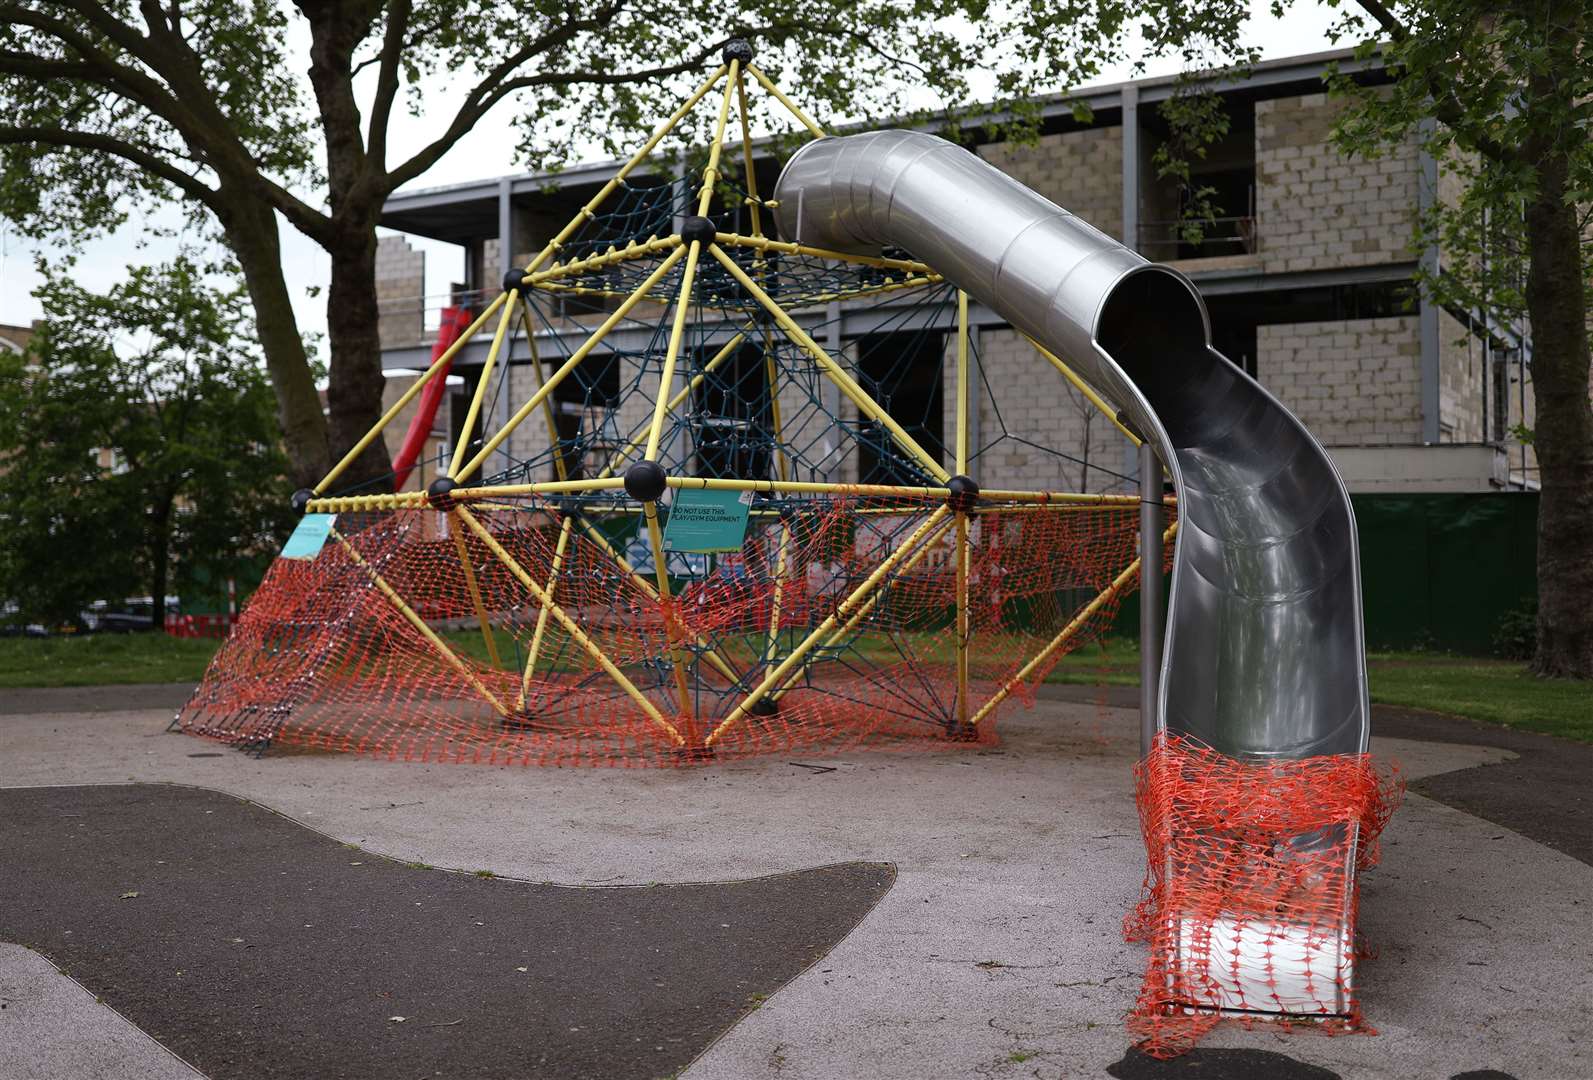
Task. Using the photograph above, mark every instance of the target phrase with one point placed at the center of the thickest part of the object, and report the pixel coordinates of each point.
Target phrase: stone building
(1308, 274)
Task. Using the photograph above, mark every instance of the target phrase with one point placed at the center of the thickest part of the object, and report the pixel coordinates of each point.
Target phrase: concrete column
(1152, 522)
(1131, 167)
(1427, 194)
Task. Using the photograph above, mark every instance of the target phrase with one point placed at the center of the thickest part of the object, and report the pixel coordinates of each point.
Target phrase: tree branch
(393, 42)
(1447, 108)
(490, 90)
(109, 144)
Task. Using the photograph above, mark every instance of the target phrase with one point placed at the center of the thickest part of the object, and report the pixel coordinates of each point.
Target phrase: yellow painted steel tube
(618, 178)
(710, 175)
(475, 593)
(837, 375)
(661, 571)
(1084, 388)
(685, 392)
(575, 359)
(786, 247)
(1068, 632)
(482, 384)
(862, 612)
(551, 588)
(777, 676)
(754, 205)
(666, 381)
(409, 395)
(573, 629)
(790, 105)
(418, 623)
(559, 467)
(717, 662)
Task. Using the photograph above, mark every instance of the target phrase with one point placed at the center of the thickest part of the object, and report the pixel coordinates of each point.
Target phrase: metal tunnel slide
(1264, 655)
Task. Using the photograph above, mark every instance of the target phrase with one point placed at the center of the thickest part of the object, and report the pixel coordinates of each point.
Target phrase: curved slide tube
(1264, 658)
(1264, 655)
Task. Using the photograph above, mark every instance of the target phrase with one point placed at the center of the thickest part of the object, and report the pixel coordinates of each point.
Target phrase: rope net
(1251, 889)
(376, 646)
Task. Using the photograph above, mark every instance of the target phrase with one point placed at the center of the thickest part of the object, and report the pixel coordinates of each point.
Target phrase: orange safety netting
(1251, 888)
(376, 644)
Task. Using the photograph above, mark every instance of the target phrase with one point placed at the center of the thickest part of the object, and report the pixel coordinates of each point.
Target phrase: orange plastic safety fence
(1251, 889)
(375, 645)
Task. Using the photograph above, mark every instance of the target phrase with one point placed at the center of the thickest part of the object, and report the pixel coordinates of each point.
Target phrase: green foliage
(138, 434)
(1492, 92)
(1517, 635)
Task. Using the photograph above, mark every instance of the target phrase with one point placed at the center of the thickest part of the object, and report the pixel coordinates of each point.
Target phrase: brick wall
(1317, 209)
(400, 289)
(1081, 171)
(1351, 383)
(1460, 382)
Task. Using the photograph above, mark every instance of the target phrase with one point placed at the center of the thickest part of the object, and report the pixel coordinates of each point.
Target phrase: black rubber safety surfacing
(253, 946)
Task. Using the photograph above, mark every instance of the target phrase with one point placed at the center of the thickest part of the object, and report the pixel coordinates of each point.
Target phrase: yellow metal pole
(481, 388)
(963, 553)
(575, 359)
(559, 467)
(586, 212)
(666, 382)
(1084, 388)
(418, 623)
(862, 612)
(655, 537)
(674, 402)
(710, 175)
(409, 395)
(1068, 632)
(714, 659)
(572, 628)
(475, 592)
(542, 613)
(836, 373)
(790, 105)
(786, 247)
(754, 204)
(842, 610)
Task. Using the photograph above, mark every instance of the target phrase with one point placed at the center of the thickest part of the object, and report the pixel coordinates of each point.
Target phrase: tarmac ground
(171, 908)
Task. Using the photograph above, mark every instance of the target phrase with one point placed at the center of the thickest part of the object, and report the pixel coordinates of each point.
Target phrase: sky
(488, 151)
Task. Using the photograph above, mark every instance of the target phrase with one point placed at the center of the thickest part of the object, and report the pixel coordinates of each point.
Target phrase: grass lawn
(102, 659)
(1493, 691)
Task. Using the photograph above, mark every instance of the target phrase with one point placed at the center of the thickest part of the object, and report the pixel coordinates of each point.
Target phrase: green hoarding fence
(1437, 571)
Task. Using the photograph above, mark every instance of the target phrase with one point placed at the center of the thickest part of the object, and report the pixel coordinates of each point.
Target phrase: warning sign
(701, 520)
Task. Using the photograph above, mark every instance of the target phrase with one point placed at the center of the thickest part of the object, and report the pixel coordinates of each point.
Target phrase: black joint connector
(645, 481)
(301, 500)
(698, 228)
(569, 507)
(739, 49)
(440, 493)
(957, 731)
(692, 755)
(964, 493)
(788, 513)
(514, 279)
(764, 707)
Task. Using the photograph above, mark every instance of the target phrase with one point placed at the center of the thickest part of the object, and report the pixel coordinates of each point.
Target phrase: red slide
(454, 321)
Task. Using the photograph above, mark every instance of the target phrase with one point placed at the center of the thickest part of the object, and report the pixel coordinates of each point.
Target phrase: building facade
(1308, 274)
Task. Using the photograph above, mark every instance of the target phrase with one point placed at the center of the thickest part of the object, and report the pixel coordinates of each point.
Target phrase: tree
(1501, 94)
(138, 445)
(113, 104)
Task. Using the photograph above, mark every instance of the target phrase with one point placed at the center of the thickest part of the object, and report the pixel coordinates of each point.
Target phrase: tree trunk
(1563, 430)
(354, 395)
(251, 231)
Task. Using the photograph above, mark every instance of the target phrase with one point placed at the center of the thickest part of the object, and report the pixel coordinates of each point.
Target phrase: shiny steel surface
(1264, 654)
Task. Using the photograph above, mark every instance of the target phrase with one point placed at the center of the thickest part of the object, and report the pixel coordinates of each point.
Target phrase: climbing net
(719, 526)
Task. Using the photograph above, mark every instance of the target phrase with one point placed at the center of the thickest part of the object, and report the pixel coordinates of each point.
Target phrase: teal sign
(701, 520)
(309, 536)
